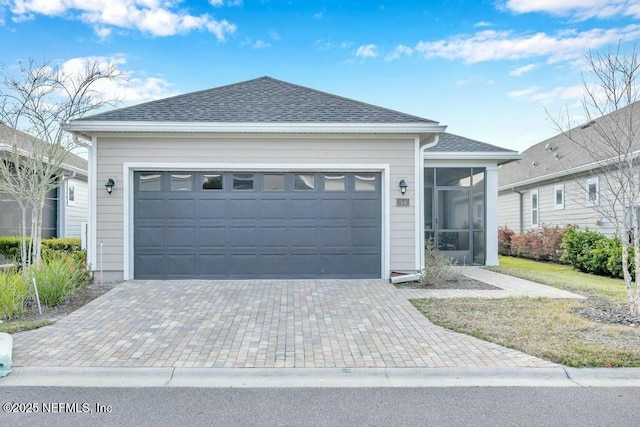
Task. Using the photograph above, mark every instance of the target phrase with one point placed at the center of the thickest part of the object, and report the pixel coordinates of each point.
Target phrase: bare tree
(610, 137)
(40, 99)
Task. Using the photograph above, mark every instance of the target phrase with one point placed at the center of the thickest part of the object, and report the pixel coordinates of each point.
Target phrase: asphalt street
(459, 406)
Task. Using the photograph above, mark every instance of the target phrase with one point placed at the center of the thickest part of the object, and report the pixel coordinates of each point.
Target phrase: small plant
(55, 279)
(438, 267)
(14, 293)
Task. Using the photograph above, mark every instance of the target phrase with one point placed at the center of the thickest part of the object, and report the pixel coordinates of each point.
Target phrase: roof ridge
(260, 85)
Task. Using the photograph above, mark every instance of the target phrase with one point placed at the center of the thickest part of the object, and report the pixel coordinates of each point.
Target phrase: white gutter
(572, 171)
(234, 127)
(474, 155)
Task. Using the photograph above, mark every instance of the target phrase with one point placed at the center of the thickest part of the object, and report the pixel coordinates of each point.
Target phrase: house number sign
(402, 202)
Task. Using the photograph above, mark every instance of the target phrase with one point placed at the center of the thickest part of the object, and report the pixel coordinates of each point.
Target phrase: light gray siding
(285, 151)
(575, 211)
(509, 210)
(76, 211)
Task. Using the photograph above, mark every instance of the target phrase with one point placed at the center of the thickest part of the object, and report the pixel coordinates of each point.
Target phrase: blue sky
(486, 68)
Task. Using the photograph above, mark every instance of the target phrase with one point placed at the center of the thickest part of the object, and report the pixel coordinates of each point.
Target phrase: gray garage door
(218, 225)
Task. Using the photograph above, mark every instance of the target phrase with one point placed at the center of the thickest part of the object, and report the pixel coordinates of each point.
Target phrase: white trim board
(128, 168)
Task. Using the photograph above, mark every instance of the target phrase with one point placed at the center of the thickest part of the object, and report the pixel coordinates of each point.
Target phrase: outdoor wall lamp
(109, 185)
(403, 186)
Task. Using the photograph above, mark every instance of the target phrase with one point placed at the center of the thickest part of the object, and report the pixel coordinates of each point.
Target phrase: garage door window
(304, 182)
(365, 182)
(150, 182)
(212, 181)
(334, 183)
(243, 181)
(273, 182)
(181, 182)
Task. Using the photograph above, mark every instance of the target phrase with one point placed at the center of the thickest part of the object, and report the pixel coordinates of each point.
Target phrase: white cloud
(564, 93)
(133, 89)
(492, 45)
(398, 52)
(483, 24)
(577, 9)
(367, 51)
(523, 92)
(322, 44)
(154, 17)
(524, 69)
(220, 3)
(274, 35)
(260, 44)
(318, 15)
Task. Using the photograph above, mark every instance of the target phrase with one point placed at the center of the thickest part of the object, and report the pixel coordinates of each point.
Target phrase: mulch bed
(603, 311)
(79, 299)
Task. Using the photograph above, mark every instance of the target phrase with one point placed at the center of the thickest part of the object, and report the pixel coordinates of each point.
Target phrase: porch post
(492, 215)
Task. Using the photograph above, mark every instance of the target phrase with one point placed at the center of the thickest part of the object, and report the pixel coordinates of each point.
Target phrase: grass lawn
(11, 327)
(564, 277)
(543, 327)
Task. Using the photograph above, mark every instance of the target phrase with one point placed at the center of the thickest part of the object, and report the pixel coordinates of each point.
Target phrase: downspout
(419, 217)
(92, 196)
(520, 210)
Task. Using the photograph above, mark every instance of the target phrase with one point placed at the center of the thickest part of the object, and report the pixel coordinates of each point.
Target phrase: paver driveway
(301, 323)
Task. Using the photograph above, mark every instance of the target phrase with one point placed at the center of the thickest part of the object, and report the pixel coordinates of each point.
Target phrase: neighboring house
(267, 179)
(560, 182)
(66, 206)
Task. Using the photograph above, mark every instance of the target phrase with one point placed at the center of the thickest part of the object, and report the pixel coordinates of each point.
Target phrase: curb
(321, 377)
(6, 350)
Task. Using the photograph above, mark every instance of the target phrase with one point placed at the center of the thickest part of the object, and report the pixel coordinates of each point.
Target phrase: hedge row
(542, 244)
(10, 246)
(585, 250)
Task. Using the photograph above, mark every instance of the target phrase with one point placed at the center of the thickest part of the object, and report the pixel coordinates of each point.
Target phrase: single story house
(268, 179)
(570, 178)
(67, 206)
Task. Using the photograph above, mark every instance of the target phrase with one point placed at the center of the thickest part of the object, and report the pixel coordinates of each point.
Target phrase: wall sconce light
(109, 185)
(403, 186)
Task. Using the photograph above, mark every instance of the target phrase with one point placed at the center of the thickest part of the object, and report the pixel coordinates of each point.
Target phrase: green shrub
(438, 267)
(14, 293)
(593, 252)
(10, 247)
(54, 278)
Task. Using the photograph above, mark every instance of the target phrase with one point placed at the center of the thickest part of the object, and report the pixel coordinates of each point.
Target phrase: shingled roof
(24, 142)
(262, 100)
(561, 155)
(450, 143)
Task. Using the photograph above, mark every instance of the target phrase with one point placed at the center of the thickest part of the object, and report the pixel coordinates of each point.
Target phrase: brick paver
(266, 323)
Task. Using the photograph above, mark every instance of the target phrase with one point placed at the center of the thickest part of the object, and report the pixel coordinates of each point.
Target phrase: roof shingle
(262, 100)
(450, 143)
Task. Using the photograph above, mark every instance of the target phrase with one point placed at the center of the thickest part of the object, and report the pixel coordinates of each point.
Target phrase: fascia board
(9, 149)
(85, 126)
(473, 155)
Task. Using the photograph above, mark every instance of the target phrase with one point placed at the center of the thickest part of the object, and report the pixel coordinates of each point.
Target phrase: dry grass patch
(541, 327)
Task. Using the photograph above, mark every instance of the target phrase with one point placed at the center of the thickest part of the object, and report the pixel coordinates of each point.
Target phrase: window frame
(556, 189)
(593, 181)
(535, 193)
